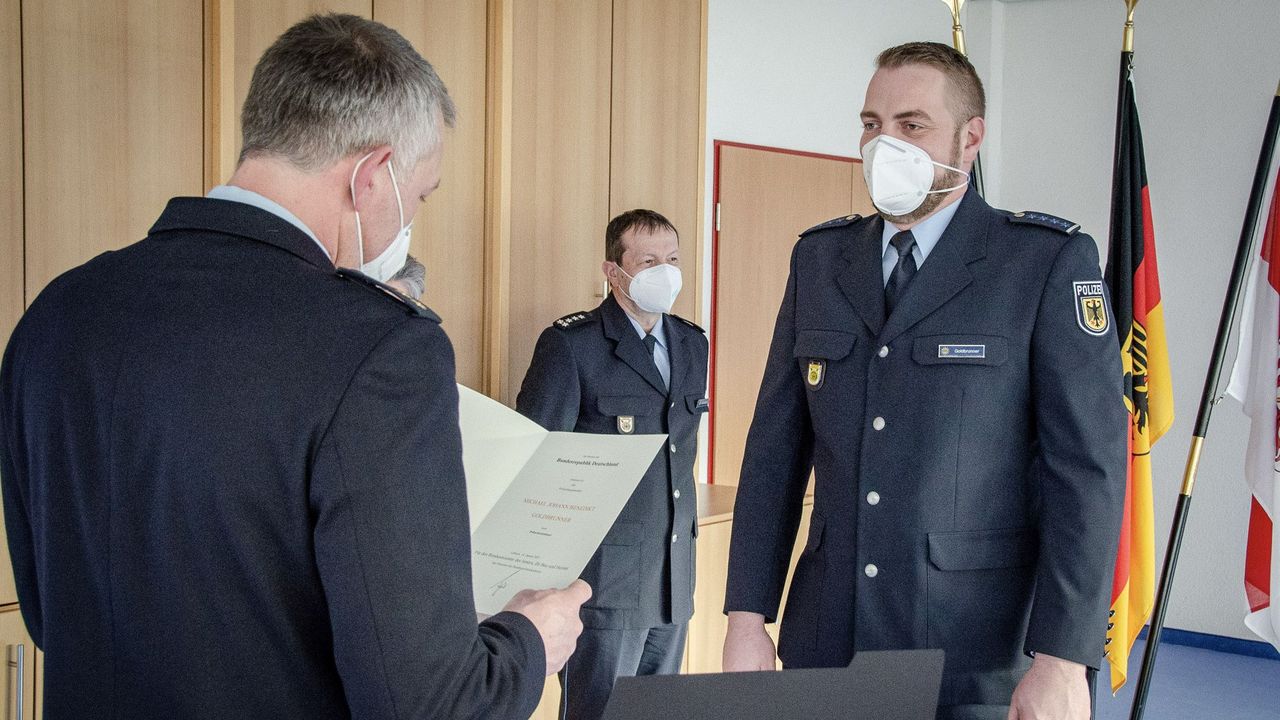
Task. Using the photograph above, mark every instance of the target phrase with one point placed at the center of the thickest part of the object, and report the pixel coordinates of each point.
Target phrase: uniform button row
(884, 351)
(871, 570)
(676, 494)
(873, 498)
(673, 537)
(878, 423)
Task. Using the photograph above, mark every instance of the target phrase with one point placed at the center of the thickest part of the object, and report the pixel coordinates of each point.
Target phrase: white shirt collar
(927, 233)
(249, 197)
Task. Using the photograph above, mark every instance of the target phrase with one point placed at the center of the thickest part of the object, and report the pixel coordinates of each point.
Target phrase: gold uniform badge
(626, 424)
(816, 371)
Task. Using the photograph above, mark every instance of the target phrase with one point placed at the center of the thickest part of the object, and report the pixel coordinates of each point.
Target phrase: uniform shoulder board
(573, 320)
(415, 307)
(1045, 220)
(690, 323)
(841, 221)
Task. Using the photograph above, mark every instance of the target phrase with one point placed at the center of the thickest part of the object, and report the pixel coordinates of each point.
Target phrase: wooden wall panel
(448, 234)
(112, 107)
(559, 169)
(657, 121)
(11, 270)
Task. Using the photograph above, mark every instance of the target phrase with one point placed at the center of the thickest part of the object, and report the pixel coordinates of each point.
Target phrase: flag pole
(1207, 398)
(957, 41)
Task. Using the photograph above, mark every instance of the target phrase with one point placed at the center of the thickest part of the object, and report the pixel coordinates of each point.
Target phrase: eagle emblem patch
(1091, 307)
(816, 371)
(626, 424)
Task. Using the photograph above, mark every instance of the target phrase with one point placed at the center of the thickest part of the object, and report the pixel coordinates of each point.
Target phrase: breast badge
(626, 424)
(817, 369)
(1091, 307)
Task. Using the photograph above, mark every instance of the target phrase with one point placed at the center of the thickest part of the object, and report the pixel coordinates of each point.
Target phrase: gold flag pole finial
(957, 30)
(1128, 25)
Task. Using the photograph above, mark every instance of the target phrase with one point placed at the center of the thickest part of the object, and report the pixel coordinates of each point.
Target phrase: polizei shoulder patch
(1091, 307)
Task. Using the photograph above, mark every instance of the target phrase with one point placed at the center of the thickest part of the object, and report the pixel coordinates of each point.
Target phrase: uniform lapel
(675, 352)
(862, 279)
(945, 272)
(627, 344)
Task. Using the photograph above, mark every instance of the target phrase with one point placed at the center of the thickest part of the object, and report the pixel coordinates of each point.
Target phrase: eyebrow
(909, 114)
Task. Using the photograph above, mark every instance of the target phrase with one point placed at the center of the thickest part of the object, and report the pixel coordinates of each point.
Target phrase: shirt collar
(657, 332)
(249, 197)
(927, 233)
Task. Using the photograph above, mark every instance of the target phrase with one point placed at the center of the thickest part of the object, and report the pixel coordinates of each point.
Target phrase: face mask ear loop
(359, 232)
(396, 186)
(626, 291)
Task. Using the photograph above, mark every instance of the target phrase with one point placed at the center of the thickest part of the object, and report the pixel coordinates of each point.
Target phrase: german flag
(1135, 295)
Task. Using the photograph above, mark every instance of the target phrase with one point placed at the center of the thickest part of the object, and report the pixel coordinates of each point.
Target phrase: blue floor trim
(1217, 643)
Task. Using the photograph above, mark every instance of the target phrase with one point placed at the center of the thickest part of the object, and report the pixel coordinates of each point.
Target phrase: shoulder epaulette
(841, 221)
(573, 320)
(415, 307)
(1045, 220)
(690, 323)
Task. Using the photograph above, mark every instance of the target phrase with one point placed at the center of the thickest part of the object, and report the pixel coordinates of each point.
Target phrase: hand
(555, 614)
(1053, 689)
(747, 646)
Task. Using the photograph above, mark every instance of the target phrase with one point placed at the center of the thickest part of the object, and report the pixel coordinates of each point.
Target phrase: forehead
(906, 88)
(643, 241)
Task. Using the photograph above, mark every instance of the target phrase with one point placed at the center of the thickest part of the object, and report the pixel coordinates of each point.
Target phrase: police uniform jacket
(233, 488)
(591, 372)
(969, 453)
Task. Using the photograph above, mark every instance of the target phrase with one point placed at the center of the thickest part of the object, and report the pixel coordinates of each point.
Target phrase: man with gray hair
(227, 494)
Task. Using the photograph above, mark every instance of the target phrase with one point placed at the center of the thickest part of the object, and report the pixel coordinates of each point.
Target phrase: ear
(366, 167)
(974, 132)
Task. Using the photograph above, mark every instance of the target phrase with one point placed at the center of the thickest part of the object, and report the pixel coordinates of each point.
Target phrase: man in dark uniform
(228, 491)
(629, 366)
(937, 369)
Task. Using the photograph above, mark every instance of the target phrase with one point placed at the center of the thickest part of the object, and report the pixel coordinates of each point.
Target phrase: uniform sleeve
(17, 524)
(775, 471)
(1082, 428)
(392, 544)
(551, 392)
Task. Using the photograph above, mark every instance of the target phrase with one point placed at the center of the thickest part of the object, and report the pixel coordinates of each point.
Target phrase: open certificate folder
(541, 502)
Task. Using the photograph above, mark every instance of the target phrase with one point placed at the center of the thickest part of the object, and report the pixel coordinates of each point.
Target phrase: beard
(942, 179)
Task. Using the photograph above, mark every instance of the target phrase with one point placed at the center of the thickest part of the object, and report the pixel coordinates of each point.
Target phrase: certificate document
(540, 502)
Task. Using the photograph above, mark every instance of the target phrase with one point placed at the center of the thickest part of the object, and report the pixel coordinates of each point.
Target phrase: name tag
(963, 352)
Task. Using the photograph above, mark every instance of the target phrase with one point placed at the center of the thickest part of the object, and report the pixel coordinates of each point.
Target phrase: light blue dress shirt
(661, 357)
(926, 233)
(249, 197)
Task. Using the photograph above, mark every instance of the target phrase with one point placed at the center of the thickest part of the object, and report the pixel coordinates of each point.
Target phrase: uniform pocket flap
(825, 344)
(620, 405)
(623, 533)
(960, 350)
(983, 549)
(696, 403)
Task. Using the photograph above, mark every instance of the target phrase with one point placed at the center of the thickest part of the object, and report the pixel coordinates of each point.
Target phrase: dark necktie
(904, 242)
(651, 342)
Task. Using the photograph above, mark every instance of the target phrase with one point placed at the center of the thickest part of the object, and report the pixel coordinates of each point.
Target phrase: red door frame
(715, 265)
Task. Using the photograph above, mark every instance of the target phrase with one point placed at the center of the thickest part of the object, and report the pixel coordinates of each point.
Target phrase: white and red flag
(1255, 382)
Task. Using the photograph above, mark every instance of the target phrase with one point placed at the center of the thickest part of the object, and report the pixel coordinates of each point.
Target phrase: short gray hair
(335, 85)
(413, 275)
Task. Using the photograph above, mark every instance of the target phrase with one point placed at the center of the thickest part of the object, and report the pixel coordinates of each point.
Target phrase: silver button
(871, 570)
(673, 537)
(673, 406)
(873, 498)
(676, 494)
(878, 423)
(884, 351)
(673, 447)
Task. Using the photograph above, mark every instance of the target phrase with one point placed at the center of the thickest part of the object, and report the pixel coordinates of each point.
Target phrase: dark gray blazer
(233, 488)
(592, 373)
(969, 451)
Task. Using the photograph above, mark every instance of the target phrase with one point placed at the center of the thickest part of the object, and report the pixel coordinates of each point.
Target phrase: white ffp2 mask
(390, 260)
(899, 175)
(655, 289)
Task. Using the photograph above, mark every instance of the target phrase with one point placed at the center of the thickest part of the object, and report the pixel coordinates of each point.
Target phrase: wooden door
(766, 197)
(19, 686)
(112, 106)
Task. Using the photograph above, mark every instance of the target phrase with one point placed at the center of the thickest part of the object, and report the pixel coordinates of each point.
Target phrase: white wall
(793, 74)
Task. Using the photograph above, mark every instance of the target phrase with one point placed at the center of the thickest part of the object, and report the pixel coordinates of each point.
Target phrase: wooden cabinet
(21, 667)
